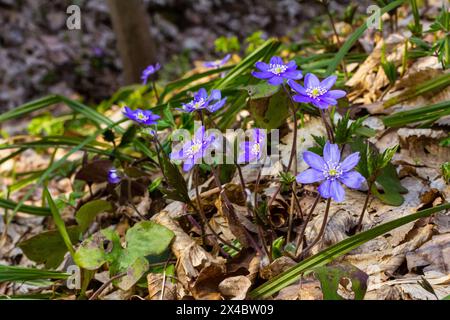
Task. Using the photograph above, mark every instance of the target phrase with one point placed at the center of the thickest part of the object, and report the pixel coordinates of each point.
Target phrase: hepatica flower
(217, 63)
(145, 117)
(332, 172)
(201, 100)
(253, 149)
(276, 71)
(151, 69)
(193, 150)
(316, 92)
(113, 177)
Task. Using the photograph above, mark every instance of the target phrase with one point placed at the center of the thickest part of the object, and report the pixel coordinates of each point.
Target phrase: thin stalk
(322, 229)
(294, 140)
(258, 180)
(106, 284)
(155, 91)
(229, 206)
(250, 212)
(130, 200)
(327, 126)
(203, 216)
(366, 202)
(305, 223)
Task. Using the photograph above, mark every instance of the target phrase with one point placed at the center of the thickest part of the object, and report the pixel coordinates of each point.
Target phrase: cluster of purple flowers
(201, 100)
(192, 151)
(329, 169)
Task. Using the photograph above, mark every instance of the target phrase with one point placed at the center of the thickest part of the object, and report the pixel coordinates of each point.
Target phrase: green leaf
(20, 274)
(103, 246)
(331, 253)
(271, 112)
(59, 222)
(147, 238)
(261, 90)
(175, 180)
(48, 247)
(135, 271)
(330, 277)
(87, 213)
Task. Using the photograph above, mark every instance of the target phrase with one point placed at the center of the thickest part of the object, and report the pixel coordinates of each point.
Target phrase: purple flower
(113, 177)
(331, 171)
(151, 69)
(141, 116)
(316, 92)
(276, 71)
(193, 150)
(201, 100)
(253, 149)
(217, 63)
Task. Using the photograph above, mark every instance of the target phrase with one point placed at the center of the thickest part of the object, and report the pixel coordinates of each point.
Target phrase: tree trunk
(134, 41)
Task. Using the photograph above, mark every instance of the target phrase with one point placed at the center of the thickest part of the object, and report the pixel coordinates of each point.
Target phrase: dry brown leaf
(235, 288)
(155, 283)
(434, 255)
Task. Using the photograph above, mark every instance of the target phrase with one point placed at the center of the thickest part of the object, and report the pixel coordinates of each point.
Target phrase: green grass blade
(60, 162)
(59, 221)
(185, 81)
(345, 48)
(427, 113)
(37, 211)
(339, 249)
(428, 87)
(29, 107)
(20, 274)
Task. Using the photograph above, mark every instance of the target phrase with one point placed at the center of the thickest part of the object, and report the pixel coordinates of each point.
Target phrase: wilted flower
(276, 71)
(142, 116)
(151, 69)
(201, 100)
(193, 150)
(316, 92)
(113, 177)
(253, 149)
(331, 171)
(217, 63)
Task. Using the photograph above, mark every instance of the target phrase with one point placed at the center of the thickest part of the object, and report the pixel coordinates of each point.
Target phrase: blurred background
(39, 55)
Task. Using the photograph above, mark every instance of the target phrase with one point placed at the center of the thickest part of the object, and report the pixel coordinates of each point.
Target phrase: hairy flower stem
(305, 223)
(130, 200)
(366, 202)
(293, 149)
(327, 126)
(258, 180)
(293, 155)
(321, 232)
(251, 213)
(203, 216)
(230, 208)
(159, 150)
(155, 91)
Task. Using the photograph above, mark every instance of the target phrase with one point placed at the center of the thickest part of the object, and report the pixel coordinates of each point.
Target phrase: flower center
(315, 92)
(141, 116)
(277, 69)
(332, 171)
(198, 104)
(195, 147)
(256, 148)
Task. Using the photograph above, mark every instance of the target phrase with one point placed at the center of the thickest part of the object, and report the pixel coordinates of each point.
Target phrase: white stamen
(315, 92)
(277, 69)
